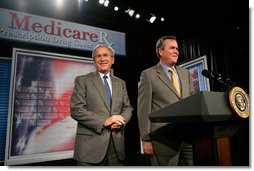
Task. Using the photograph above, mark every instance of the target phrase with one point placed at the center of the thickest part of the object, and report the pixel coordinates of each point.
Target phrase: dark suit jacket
(90, 108)
(155, 91)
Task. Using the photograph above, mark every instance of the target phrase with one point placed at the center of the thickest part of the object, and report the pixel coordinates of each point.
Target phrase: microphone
(212, 75)
(217, 77)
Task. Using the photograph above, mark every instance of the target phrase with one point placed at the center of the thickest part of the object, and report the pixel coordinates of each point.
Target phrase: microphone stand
(227, 84)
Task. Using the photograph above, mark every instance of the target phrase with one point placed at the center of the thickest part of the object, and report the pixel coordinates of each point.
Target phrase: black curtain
(230, 59)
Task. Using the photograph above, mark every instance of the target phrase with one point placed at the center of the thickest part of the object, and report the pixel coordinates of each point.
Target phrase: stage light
(101, 1)
(116, 8)
(152, 18)
(59, 3)
(106, 3)
(130, 12)
(137, 16)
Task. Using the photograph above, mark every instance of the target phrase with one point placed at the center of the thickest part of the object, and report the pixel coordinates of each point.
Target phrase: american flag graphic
(41, 121)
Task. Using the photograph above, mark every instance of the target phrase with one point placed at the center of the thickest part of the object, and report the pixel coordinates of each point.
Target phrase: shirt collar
(166, 68)
(102, 74)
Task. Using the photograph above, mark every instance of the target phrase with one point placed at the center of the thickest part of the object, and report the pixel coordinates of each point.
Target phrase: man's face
(169, 54)
(103, 60)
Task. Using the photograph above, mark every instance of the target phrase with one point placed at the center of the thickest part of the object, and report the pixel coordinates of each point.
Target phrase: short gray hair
(112, 51)
(160, 43)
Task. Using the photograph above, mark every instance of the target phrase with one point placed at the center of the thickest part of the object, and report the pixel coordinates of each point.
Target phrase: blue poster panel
(195, 67)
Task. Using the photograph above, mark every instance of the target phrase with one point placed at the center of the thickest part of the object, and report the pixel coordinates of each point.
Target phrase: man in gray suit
(100, 104)
(155, 91)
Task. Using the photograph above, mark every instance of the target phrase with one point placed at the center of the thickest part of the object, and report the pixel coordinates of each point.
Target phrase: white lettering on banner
(61, 41)
(26, 36)
(37, 29)
(103, 38)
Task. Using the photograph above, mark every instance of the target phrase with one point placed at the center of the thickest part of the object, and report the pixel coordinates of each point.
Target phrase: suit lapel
(164, 78)
(115, 87)
(181, 77)
(98, 84)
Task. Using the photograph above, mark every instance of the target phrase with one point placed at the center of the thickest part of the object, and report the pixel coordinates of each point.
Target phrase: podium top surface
(203, 106)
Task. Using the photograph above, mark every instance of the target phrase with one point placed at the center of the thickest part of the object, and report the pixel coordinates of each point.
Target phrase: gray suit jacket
(90, 108)
(155, 91)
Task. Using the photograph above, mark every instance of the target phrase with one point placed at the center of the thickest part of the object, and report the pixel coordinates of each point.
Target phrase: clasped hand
(115, 122)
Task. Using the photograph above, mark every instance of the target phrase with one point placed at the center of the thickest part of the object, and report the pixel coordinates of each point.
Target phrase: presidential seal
(239, 102)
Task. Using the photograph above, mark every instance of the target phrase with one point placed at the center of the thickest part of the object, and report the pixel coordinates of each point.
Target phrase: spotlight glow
(152, 19)
(137, 16)
(59, 3)
(106, 3)
(101, 1)
(116, 8)
(130, 12)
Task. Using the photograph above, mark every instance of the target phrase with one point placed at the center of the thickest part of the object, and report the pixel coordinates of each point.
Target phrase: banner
(39, 124)
(31, 28)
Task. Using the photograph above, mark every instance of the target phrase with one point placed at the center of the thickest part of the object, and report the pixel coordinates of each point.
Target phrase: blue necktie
(107, 90)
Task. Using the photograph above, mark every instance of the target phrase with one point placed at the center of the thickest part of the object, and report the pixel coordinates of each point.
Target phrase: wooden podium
(206, 120)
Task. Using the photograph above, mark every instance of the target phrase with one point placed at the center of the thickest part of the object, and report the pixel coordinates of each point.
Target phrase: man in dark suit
(155, 91)
(100, 104)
